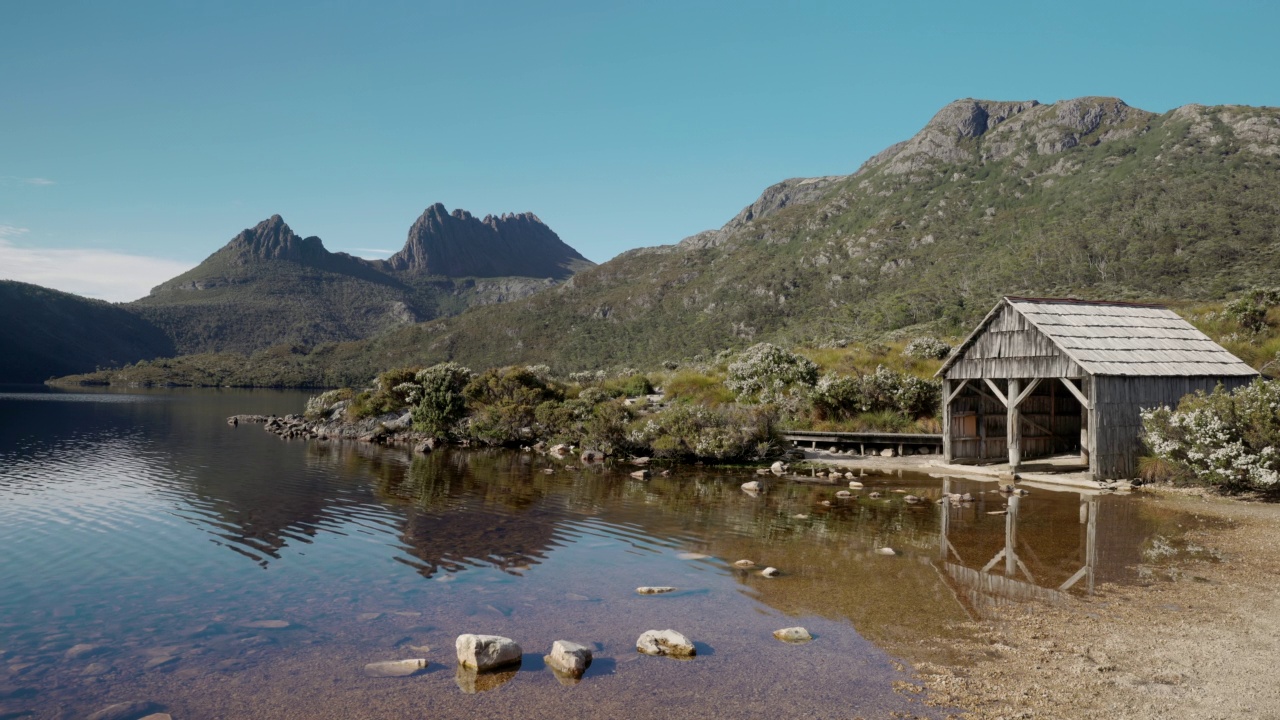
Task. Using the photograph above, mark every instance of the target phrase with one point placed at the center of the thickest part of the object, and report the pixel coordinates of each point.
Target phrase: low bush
(927, 348)
(1224, 439)
(728, 433)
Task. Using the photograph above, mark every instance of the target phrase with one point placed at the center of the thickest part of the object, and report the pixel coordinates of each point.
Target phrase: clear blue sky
(161, 129)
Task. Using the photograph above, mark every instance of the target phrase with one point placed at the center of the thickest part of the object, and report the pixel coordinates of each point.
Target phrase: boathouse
(1066, 380)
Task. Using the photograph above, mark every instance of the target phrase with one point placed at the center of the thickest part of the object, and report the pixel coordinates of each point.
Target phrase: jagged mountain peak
(458, 244)
(273, 239)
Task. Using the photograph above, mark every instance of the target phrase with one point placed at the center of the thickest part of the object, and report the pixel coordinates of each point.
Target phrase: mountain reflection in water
(143, 525)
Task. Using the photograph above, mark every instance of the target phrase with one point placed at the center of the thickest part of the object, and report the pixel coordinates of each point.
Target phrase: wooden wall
(1117, 428)
(1011, 347)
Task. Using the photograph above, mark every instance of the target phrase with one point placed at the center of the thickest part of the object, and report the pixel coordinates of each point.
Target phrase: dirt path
(1201, 641)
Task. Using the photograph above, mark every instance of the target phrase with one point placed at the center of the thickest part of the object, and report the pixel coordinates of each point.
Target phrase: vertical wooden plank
(1013, 426)
(946, 421)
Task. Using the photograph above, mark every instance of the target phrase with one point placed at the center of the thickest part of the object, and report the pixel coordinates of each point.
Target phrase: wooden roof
(1114, 338)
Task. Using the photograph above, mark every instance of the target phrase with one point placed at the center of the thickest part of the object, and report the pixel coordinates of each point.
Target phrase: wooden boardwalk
(867, 442)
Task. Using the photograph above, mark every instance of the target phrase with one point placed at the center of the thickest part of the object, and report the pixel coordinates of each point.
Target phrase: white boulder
(665, 642)
(569, 658)
(484, 652)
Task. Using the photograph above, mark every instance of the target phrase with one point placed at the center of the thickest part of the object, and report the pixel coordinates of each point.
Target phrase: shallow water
(141, 524)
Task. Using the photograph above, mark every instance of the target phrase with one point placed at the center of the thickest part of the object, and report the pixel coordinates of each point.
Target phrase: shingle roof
(1107, 338)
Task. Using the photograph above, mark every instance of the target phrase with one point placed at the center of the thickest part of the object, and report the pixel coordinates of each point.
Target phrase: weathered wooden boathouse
(1050, 378)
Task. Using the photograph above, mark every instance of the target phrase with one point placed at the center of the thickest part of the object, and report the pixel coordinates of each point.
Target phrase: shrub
(695, 431)
(767, 373)
(505, 402)
(320, 406)
(927, 348)
(628, 386)
(1224, 439)
(837, 397)
(392, 391)
(439, 402)
(1249, 311)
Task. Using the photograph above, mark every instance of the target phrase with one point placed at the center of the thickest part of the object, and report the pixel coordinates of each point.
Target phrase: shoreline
(1196, 642)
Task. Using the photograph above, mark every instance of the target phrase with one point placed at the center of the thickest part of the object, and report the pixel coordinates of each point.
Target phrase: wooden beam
(1013, 435)
(1084, 401)
(1026, 393)
(1003, 400)
(954, 393)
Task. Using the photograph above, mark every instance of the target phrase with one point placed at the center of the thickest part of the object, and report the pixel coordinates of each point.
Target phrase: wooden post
(1053, 418)
(1014, 426)
(946, 420)
(1011, 536)
(1084, 425)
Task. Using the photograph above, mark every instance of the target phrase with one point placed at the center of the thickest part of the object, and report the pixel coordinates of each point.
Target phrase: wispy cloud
(16, 180)
(101, 274)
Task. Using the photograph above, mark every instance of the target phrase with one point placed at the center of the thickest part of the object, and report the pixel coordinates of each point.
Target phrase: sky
(136, 138)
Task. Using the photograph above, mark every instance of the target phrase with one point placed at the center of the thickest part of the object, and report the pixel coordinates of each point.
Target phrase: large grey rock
(485, 652)
(395, 668)
(665, 642)
(124, 711)
(569, 658)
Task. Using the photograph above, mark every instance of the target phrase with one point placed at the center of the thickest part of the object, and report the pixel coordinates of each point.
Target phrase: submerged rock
(569, 658)
(745, 564)
(654, 590)
(266, 624)
(395, 668)
(484, 652)
(82, 650)
(124, 711)
(665, 642)
(844, 494)
(640, 474)
(886, 551)
(771, 572)
(793, 635)
(751, 487)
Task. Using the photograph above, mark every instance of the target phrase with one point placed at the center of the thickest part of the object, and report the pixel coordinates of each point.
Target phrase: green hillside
(45, 333)
(1086, 197)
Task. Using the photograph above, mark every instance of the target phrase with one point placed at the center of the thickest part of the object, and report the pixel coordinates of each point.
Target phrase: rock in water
(793, 635)
(855, 485)
(640, 474)
(751, 487)
(395, 668)
(484, 652)
(82, 650)
(887, 452)
(665, 642)
(745, 564)
(654, 590)
(123, 711)
(886, 551)
(771, 572)
(569, 658)
(266, 624)
(778, 468)
(843, 494)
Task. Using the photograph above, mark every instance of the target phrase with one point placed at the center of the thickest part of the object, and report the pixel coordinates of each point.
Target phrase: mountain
(46, 332)
(268, 286)
(461, 245)
(1087, 197)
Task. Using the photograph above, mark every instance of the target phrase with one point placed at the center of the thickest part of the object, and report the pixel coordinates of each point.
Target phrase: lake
(153, 553)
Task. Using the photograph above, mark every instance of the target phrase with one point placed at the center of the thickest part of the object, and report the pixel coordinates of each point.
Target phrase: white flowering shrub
(321, 405)
(588, 377)
(698, 431)
(927, 348)
(766, 373)
(844, 396)
(1224, 439)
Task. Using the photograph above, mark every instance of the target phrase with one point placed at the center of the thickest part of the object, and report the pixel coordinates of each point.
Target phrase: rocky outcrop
(273, 239)
(458, 244)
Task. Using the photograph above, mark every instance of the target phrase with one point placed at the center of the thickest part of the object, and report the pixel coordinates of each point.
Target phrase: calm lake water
(146, 543)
